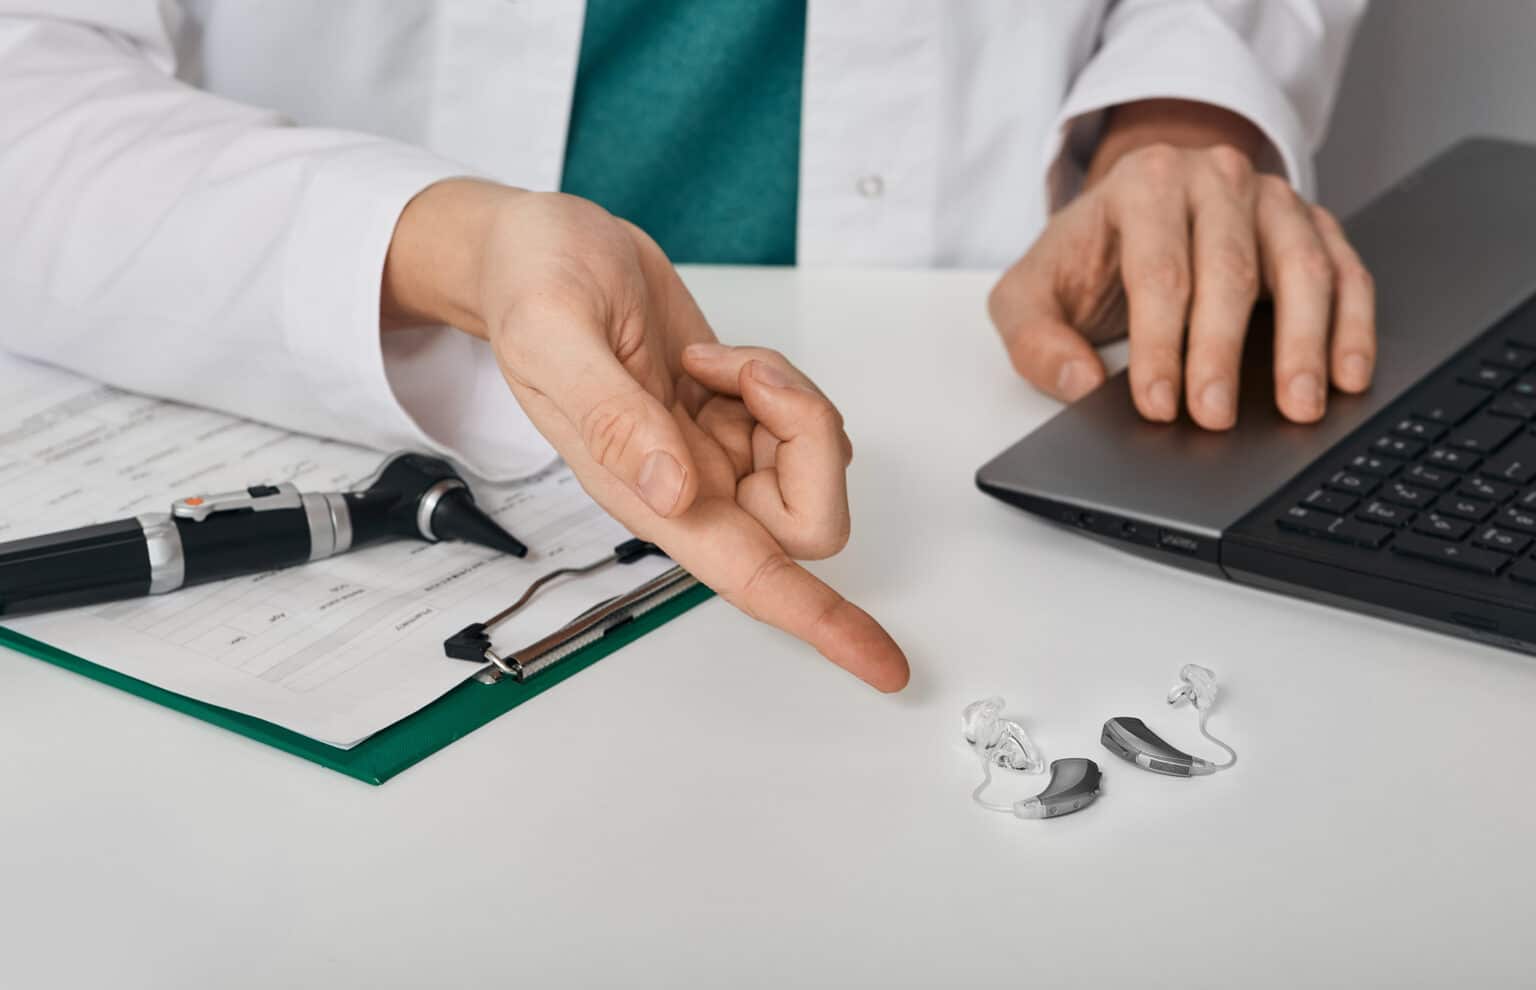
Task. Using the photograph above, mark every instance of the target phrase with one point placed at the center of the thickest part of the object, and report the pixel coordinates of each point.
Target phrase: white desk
(716, 806)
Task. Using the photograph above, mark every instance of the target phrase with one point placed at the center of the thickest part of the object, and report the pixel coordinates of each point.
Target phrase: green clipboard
(407, 742)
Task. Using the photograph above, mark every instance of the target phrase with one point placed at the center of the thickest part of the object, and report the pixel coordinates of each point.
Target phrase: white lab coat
(196, 197)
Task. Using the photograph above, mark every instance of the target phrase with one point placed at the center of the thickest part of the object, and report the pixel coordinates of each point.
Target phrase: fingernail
(1307, 393)
(1161, 400)
(1076, 380)
(769, 375)
(1356, 370)
(661, 482)
(1216, 400)
(706, 351)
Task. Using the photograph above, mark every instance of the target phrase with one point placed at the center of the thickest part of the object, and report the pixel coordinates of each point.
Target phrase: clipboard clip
(473, 642)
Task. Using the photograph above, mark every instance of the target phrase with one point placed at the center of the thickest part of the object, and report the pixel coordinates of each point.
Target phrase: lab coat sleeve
(166, 240)
(1275, 62)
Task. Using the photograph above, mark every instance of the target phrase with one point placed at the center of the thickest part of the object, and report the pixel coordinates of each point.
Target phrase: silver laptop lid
(1452, 248)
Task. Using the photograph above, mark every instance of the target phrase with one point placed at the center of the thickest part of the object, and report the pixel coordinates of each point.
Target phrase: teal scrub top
(686, 122)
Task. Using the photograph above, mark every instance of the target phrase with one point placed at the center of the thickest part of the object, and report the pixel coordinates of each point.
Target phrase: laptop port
(1178, 542)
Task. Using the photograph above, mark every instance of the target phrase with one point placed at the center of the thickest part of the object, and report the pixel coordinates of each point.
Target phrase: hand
(1188, 237)
(729, 458)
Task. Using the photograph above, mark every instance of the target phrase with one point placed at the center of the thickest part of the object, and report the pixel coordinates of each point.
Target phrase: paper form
(335, 650)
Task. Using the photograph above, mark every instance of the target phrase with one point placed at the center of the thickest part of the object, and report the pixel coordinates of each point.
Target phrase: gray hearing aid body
(1074, 786)
(1129, 738)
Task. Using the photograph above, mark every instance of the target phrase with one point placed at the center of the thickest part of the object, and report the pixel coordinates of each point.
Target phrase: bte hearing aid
(998, 741)
(1131, 739)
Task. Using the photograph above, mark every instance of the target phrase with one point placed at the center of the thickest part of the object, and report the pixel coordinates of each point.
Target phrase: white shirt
(196, 197)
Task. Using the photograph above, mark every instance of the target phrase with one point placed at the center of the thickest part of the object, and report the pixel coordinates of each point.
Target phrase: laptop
(1414, 502)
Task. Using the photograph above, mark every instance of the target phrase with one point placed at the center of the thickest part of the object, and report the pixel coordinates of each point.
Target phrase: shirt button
(871, 186)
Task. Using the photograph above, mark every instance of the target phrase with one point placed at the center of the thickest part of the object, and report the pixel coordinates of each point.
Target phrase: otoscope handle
(204, 538)
(261, 528)
(76, 567)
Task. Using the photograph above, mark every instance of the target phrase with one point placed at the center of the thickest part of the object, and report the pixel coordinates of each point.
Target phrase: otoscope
(210, 537)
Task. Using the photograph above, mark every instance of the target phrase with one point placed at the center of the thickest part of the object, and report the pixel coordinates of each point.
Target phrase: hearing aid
(1130, 738)
(1075, 782)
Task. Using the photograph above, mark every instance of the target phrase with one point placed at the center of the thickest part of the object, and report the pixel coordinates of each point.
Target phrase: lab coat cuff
(403, 389)
(1228, 79)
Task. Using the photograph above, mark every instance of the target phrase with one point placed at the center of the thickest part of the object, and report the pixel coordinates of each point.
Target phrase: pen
(210, 537)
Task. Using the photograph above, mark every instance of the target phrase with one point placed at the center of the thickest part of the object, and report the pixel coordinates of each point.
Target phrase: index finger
(719, 543)
(731, 552)
(1152, 220)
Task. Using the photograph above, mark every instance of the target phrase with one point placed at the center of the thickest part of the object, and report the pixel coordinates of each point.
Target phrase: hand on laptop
(1176, 230)
(728, 458)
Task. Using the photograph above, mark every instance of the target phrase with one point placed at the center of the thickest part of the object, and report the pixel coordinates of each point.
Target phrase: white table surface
(716, 806)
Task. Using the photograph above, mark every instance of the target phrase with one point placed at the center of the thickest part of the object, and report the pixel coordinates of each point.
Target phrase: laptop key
(1441, 527)
(1463, 508)
(1399, 447)
(1456, 460)
(1485, 376)
(1419, 429)
(1457, 555)
(1484, 434)
(1525, 388)
(1514, 407)
(1515, 463)
(1422, 474)
(1385, 514)
(1510, 356)
(1521, 519)
(1330, 501)
(1493, 491)
(1351, 484)
(1340, 529)
(1524, 571)
(1413, 498)
(1369, 463)
(1503, 540)
(1450, 404)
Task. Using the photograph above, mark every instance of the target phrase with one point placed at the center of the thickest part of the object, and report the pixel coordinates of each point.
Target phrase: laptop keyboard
(1449, 478)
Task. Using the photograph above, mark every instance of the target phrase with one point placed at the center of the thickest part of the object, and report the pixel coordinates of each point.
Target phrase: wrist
(432, 273)
(1180, 123)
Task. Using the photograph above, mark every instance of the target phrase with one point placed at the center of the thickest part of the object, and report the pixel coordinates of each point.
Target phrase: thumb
(1043, 347)
(1054, 357)
(624, 426)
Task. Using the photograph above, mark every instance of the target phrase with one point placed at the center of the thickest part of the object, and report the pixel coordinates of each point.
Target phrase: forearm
(1179, 123)
(166, 240)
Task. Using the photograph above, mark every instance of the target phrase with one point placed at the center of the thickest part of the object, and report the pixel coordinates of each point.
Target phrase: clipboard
(407, 742)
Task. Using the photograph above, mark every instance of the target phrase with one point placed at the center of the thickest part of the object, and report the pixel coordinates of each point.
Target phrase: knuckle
(1310, 264)
(762, 579)
(1277, 190)
(1168, 359)
(1164, 274)
(608, 428)
(825, 417)
(1150, 362)
(1156, 163)
(1323, 219)
(824, 539)
(833, 538)
(1237, 265)
(1358, 277)
(1231, 164)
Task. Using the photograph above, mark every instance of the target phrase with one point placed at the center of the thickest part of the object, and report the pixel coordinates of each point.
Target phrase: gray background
(1423, 74)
